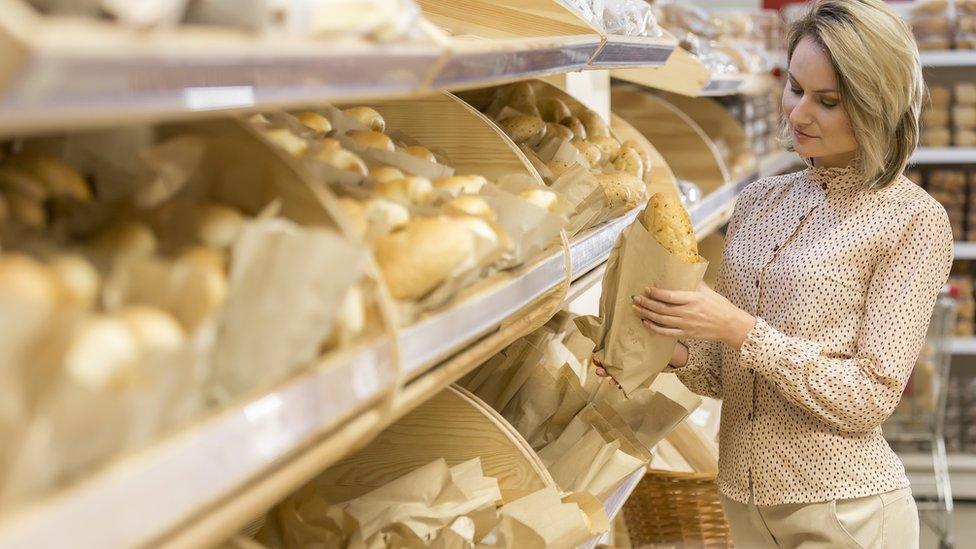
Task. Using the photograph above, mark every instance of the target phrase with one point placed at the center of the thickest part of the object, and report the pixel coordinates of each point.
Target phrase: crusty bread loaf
(668, 222)
(415, 259)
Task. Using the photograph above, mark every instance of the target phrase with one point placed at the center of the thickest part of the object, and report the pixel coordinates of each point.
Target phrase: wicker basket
(678, 510)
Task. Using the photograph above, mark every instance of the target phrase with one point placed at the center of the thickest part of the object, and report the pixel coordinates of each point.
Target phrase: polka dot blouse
(842, 281)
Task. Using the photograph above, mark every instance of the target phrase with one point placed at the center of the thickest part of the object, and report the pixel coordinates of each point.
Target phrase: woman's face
(818, 123)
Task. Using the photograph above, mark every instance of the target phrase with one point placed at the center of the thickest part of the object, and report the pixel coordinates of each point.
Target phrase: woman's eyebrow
(828, 90)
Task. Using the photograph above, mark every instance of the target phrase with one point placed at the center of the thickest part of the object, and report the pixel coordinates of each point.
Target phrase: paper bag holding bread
(659, 249)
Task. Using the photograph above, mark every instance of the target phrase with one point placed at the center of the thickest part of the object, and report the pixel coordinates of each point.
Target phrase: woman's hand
(698, 314)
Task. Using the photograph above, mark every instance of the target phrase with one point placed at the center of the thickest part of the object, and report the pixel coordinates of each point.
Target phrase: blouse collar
(834, 180)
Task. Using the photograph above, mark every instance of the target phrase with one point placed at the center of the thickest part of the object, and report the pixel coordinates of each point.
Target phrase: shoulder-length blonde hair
(876, 61)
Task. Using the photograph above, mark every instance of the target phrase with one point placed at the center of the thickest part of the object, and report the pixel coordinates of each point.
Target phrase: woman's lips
(800, 135)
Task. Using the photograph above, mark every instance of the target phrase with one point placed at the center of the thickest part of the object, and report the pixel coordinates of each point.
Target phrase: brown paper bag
(559, 523)
(285, 288)
(631, 353)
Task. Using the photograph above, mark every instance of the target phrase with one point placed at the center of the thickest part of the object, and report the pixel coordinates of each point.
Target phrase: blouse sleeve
(858, 393)
(702, 374)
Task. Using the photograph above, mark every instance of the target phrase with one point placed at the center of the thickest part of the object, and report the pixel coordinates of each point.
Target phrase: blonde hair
(875, 58)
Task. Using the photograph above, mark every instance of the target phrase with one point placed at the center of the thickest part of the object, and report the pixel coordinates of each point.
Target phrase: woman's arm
(857, 394)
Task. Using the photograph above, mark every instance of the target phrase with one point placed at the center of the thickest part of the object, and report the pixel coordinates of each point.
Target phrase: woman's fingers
(657, 306)
(664, 331)
(662, 320)
(673, 297)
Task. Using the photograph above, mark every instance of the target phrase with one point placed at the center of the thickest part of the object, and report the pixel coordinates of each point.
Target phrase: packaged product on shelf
(937, 137)
(964, 137)
(659, 249)
(136, 244)
(931, 24)
(965, 93)
(935, 118)
(597, 176)
(618, 17)
(338, 20)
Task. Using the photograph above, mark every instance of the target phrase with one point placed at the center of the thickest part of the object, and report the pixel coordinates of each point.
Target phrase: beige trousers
(885, 521)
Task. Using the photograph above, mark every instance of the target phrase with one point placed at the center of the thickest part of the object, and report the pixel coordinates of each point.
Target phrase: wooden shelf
(951, 58)
(124, 75)
(944, 155)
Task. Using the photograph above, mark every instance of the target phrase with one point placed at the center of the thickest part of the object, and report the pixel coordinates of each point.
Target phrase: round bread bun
(344, 160)
(289, 142)
(385, 173)
(315, 121)
(575, 125)
(629, 161)
(79, 280)
(558, 168)
(594, 124)
(590, 152)
(355, 213)
(461, 184)
(350, 318)
(58, 177)
(16, 180)
(26, 280)
(553, 109)
(383, 216)
(521, 93)
(524, 129)
(129, 239)
(219, 225)
(642, 150)
(471, 205)
(609, 147)
(103, 353)
(418, 257)
(420, 152)
(373, 140)
(368, 117)
(545, 199)
(201, 289)
(559, 131)
(26, 211)
(622, 189)
(411, 190)
(154, 329)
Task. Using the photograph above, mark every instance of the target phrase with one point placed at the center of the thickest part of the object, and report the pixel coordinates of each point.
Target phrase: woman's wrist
(679, 358)
(740, 325)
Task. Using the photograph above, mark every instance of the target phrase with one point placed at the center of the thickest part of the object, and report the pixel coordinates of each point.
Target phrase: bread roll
(126, 240)
(421, 152)
(521, 93)
(524, 129)
(26, 211)
(553, 109)
(17, 180)
(415, 259)
(219, 225)
(622, 190)
(558, 168)
(629, 161)
(590, 152)
(965, 93)
(471, 205)
(204, 255)
(289, 142)
(103, 354)
(383, 216)
(58, 177)
(940, 96)
(935, 118)
(315, 121)
(344, 160)
(368, 117)
(26, 280)
(356, 215)
(412, 190)
(385, 173)
(595, 126)
(350, 319)
(461, 184)
(329, 144)
(642, 150)
(154, 329)
(558, 131)
(545, 199)
(200, 288)
(575, 125)
(609, 147)
(78, 279)
(373, 140)
(668, 222)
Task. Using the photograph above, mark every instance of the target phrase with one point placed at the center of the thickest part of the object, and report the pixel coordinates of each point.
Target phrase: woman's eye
(796, 90)
(828, 104)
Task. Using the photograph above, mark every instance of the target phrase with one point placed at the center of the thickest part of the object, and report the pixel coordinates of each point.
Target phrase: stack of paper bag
(435, 506)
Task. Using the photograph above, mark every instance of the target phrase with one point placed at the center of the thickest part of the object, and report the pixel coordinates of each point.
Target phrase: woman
(823, 298)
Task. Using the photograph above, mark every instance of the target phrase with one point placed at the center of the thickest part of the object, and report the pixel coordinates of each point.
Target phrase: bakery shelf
(615, 503)
(944, 155)
(962, 346)
(962, 474)
(619, 52)
(951, 58)
(965, 250)
(168, 484)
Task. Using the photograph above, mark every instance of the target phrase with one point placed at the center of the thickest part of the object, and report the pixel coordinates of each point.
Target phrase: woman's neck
(840, 160)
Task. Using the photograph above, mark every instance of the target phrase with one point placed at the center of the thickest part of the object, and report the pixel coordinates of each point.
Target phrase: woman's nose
(800, 114)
